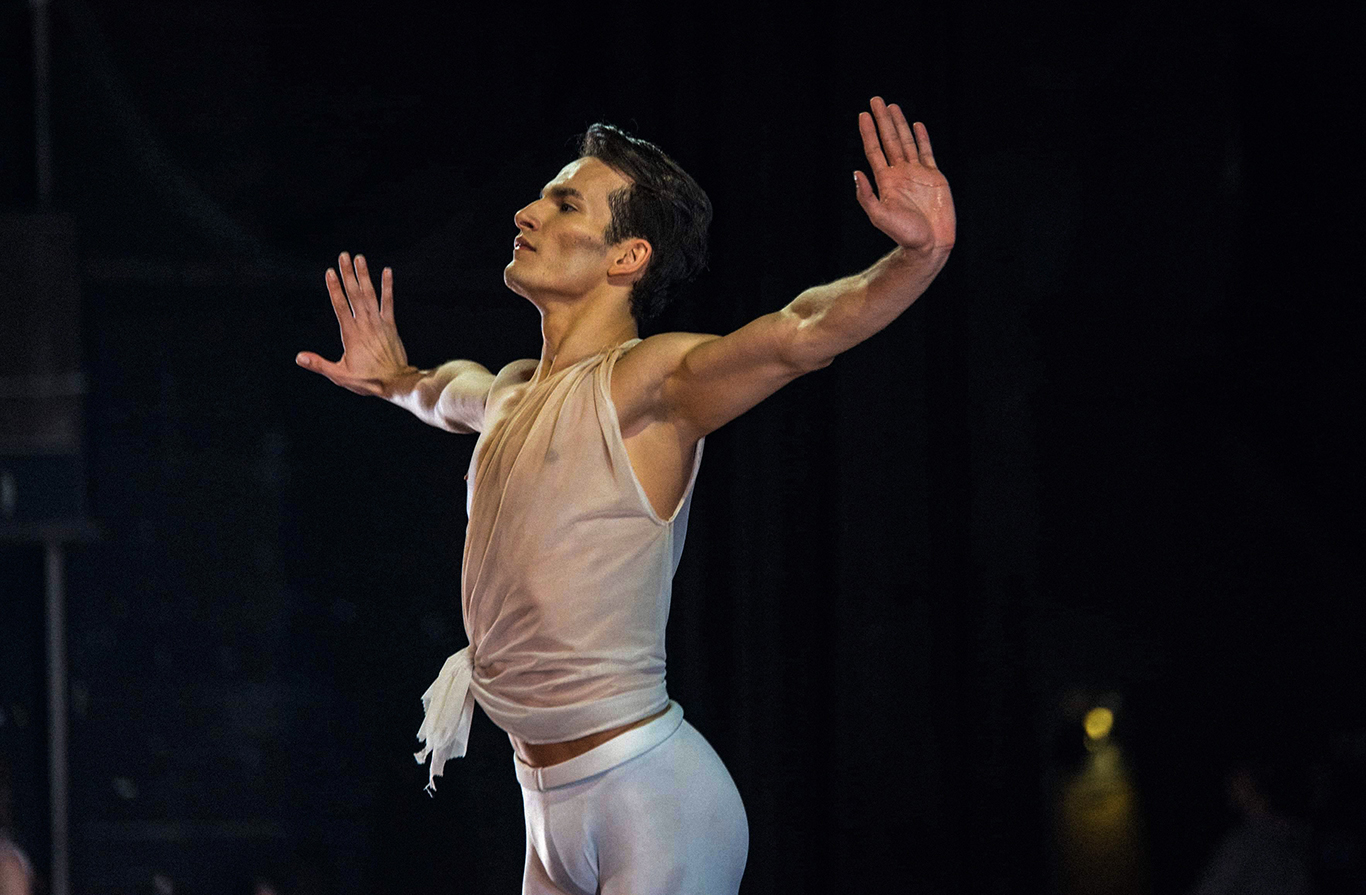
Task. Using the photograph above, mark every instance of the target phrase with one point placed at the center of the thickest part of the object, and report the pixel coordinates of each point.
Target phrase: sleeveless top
(567, 571)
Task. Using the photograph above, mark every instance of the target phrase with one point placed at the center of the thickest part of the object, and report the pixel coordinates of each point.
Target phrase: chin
(510, 279)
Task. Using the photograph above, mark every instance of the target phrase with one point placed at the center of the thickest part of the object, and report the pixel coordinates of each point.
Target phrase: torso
(661, 454)
(661, 457)
(541, 755)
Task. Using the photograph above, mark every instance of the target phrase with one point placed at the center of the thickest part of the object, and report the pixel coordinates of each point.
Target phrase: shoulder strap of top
(603, 368)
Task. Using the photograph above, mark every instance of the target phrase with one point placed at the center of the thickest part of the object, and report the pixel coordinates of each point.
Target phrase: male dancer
(580, 483)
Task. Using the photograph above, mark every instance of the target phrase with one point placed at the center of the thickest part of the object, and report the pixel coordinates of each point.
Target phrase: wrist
(399, 385)
(923, 254)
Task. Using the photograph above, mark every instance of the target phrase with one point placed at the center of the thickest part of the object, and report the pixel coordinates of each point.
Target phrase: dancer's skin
(673, 388)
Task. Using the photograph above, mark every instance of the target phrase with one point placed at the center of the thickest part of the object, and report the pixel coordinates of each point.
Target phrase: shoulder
(504, 381)
(660, 355)
(642, 374)
(515, 373)
(519, 368)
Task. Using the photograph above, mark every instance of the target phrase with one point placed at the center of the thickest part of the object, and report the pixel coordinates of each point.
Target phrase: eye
(565, 206)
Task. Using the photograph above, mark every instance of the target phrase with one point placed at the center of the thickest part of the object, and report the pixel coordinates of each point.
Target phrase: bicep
(719, 378)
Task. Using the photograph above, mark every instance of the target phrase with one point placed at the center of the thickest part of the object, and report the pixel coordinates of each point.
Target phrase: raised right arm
(374, 362)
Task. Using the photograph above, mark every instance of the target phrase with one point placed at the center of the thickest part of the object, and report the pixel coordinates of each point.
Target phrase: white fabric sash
(448, 705)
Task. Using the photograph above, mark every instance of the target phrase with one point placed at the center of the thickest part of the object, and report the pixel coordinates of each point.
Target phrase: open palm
(912, 204)
(372, 352)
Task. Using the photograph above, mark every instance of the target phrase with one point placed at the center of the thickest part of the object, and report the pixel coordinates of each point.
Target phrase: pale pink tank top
(567, 571)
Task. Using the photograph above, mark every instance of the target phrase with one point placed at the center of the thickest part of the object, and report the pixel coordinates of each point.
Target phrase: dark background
(1109, 455)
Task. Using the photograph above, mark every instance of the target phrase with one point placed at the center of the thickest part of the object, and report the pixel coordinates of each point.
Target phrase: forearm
(449, 397)
(833, 318)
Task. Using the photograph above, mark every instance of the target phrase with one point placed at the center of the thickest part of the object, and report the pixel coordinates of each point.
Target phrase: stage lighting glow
(1099, 721)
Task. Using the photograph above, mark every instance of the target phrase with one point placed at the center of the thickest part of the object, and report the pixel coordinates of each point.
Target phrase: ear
(629, 257)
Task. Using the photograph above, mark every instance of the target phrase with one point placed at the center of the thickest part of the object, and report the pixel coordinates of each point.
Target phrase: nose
(525, 219)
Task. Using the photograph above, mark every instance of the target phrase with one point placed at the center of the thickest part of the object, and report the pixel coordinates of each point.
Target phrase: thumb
(863, 191)
(310, 361)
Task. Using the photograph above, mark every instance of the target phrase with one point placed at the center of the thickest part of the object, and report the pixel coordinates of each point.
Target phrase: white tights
(667, 820)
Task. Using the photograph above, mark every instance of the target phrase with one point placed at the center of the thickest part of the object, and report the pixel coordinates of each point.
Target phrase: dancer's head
(623, 217)
(660, 204)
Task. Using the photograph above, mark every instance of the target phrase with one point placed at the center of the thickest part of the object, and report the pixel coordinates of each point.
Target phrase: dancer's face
(559, 249)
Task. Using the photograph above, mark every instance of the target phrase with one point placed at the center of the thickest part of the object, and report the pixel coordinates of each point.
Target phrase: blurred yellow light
(1098, 723)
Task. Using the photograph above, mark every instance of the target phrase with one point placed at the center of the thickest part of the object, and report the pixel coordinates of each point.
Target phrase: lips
(520, 243)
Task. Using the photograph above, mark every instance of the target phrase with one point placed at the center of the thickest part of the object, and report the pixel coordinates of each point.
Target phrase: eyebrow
(559, 192)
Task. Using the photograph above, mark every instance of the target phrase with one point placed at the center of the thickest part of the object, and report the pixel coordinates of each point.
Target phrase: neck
(571, 332)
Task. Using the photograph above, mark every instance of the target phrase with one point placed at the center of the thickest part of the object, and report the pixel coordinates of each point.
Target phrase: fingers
(353, 294)
(360, 289)
(887, 134)
(347, 272)
(922, 139)
(367, 286)
(386, 294)
(872, 149)
(886, 129)
(353, 300)
(339, 303)
(903, 131)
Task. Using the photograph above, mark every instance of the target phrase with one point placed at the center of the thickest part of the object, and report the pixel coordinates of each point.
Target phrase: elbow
(805, 347)
(811, 361)
(821, 324)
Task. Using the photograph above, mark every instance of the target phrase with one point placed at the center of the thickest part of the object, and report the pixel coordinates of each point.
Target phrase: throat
(582, 328)
(573, 350)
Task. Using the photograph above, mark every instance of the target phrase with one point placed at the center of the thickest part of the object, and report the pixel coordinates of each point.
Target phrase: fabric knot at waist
(448, 707)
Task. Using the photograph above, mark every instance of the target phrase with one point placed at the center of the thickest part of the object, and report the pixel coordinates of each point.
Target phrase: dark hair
(661, 204)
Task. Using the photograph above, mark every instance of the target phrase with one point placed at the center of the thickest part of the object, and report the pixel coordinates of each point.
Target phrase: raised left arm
(706, 381)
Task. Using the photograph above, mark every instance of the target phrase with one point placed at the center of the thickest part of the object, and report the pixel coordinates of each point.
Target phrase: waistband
(618, 750)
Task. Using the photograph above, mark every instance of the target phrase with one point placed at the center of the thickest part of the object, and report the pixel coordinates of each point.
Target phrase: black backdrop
(1110, 451)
